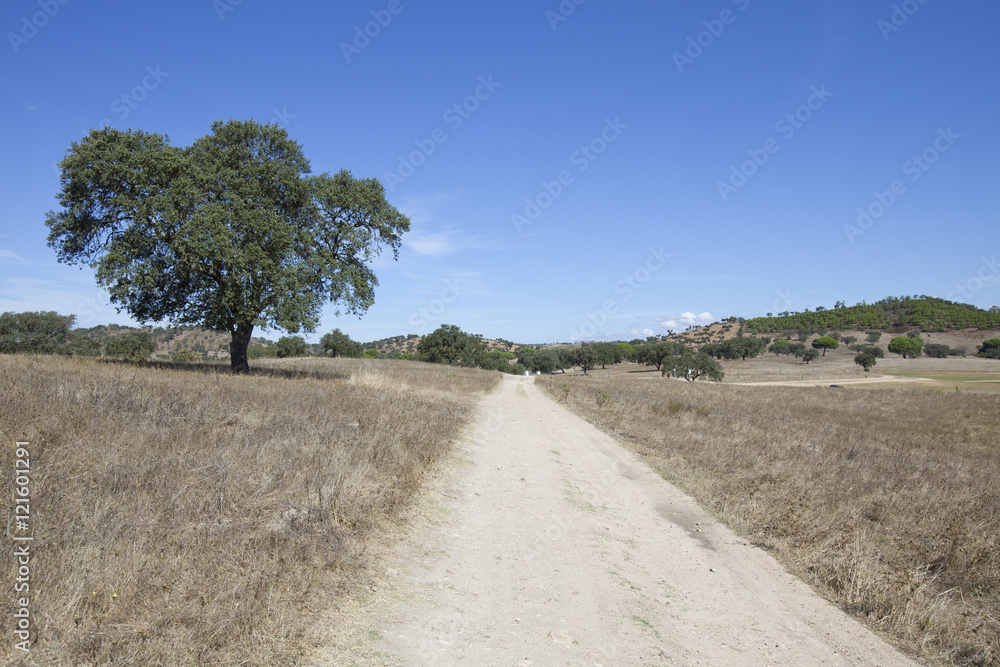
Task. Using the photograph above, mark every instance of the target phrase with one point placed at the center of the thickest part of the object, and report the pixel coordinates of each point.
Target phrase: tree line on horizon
(52, 333)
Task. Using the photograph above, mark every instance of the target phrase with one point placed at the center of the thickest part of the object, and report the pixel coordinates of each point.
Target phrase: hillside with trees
(894, 314)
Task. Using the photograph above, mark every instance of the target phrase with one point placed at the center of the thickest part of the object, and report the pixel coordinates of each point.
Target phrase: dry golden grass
(888, 502)
(183, 515)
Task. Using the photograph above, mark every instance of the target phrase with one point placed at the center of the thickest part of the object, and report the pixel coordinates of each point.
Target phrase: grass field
(183, 515)
(886, 501)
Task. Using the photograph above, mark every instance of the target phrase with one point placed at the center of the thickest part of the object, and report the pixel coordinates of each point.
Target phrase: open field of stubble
(183, 515)
(886, 501)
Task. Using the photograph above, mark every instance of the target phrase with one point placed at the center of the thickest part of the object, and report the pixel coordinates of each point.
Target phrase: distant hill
(892, 314)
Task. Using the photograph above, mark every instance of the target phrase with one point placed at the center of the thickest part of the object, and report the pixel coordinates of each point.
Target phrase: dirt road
(552, 545)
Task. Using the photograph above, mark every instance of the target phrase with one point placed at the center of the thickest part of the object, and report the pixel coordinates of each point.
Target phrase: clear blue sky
(671, 162)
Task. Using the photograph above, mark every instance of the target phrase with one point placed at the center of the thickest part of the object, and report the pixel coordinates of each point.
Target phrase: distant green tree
(798, 350)
(990, 348)
(291, 346)
(780, 347)
(133, 345)
(743, 347)
(586, 358)
(183, 356)
(713, 350)
(34, 332)
(876, 352)
(690, 365)
(937, 350)
(608, 353)
(653, 354)
(338, 344)
(407, 356)
(81, 345)
(906, 346)
(873, 337)
(848, 340)
(825, 343)
(545, 361)
(449, 344)
(810, 355)
(261, 351)
(913, 334)
(866, 361)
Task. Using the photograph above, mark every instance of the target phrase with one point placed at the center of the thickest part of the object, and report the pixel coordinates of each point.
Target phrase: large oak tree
(228, 233)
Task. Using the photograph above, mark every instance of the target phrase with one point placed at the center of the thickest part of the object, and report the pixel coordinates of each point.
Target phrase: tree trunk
(238, 347)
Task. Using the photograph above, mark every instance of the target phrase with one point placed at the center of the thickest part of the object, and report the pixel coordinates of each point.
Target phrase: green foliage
(869, 349)
(407, 356)
(133, 345)
(906, 346)
(736, 348)
(938, 351)
(338, 344)
(809, 355)
(873, 337)
(913, 334)
(183, 355)
(848, 340)
(34, 332)
(449, 344)
(81, 345)
(229, 232)
(585, 357)
(686, 363)
(896, 313)
(825, 343)
(262, 352)
(653, 354)
(291, 346)
(990, 348)
(866, 361)
(544, 361)
(780, 347)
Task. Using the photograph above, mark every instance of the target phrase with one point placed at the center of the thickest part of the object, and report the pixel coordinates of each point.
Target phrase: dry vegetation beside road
(888, 501)
(183, 515)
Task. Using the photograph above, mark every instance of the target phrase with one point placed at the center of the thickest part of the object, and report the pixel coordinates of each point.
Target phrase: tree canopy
(229, 233)
(906, 346)
(338, 344)
(34, 332)
(825, 343)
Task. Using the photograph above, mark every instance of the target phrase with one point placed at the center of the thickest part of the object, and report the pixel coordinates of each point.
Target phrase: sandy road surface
(552, 545)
